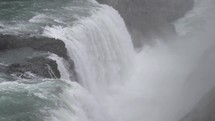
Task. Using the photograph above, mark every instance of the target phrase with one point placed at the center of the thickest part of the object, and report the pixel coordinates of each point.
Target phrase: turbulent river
(115, 83)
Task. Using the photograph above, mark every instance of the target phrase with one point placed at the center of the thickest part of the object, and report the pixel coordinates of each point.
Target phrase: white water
(101, 48)
(124, 85)
(61, 66)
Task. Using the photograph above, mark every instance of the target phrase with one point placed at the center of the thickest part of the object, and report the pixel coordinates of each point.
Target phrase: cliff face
(204, 110)
(150, 18)
(201, 85)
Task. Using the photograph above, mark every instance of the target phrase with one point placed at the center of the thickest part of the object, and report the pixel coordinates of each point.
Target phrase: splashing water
(132, 86)
(100, 47)
(116, 83)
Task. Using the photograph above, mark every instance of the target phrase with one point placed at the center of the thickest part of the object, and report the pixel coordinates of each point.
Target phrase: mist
(169, 78)
(106, 60)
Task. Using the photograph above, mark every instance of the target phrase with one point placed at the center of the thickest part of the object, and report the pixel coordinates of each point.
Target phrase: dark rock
(38, 43)
(37, 49)
(40, 66)
(150, 18)
(2, 67)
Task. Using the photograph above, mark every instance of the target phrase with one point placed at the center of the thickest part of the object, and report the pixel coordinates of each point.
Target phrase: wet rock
(16, 50)
(33, 68)
(148, 19)
(38, 43)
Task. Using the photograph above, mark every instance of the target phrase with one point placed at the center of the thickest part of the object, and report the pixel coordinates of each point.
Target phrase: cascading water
(61, 66)
(114, 82)
(100, 47)
(102, 57)
(123, 80)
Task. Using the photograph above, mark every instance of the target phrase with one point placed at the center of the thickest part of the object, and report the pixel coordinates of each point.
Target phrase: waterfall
(102, 51)
(100, 46)
(127, 85)
(114, 82)
(61, 66)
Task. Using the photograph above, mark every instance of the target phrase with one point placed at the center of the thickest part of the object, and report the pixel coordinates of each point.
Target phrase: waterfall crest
(100, 46)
